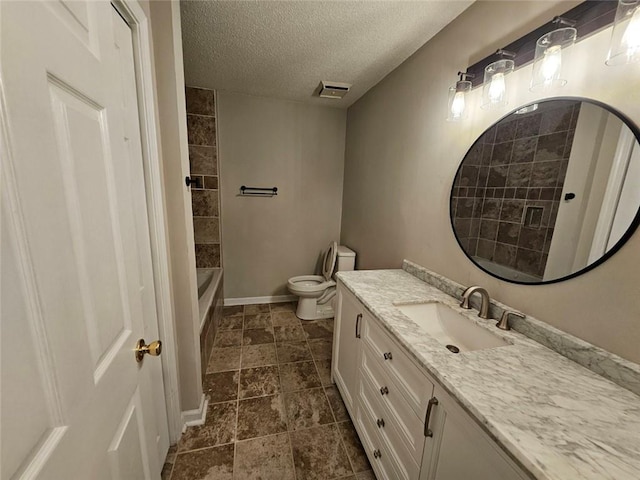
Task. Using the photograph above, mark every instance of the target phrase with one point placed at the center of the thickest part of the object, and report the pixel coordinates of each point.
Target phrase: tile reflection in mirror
(547, 192)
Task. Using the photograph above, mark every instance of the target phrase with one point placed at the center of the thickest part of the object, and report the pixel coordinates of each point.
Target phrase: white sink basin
(450, 328)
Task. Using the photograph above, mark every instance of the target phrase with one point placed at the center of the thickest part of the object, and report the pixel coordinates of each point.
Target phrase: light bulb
(631, 37)
(497, 88)
(457, 106)
(551, 63)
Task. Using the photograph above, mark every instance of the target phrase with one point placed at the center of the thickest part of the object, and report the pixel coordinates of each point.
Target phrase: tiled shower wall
(203, 161)
(506, 195)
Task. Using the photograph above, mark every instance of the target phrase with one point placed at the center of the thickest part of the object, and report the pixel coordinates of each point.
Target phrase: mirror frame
(625, 237)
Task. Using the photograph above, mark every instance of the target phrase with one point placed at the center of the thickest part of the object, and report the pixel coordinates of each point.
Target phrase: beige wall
(165, 21)
(402, 155)
(297, 148)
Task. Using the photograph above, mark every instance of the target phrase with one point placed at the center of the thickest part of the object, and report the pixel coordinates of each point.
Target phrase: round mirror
(549, 192)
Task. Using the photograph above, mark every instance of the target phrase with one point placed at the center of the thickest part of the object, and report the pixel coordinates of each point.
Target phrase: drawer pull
(377, 453)
(380, 422)
(358, 318)
(384, 391)
(388, 356)
(427, 431)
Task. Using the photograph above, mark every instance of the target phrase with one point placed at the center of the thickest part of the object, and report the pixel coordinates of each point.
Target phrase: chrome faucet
(486, 300)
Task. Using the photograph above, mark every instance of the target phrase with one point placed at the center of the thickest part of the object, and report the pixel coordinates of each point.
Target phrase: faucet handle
(503, 323)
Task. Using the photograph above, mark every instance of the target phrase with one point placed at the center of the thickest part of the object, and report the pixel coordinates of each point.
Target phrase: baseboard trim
(229, 302)
(192, 418)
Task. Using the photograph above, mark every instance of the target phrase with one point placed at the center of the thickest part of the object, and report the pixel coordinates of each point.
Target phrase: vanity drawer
(388, 464)
(404, 373)
(401, 428)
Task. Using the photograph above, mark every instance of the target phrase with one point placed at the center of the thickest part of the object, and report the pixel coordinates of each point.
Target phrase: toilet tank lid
(344, 251)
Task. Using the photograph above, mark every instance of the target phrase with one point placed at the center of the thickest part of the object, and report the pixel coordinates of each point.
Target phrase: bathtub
(506, 272)
(210, 300)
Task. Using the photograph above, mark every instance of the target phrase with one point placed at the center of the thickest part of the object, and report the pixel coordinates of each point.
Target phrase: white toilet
(317, 291)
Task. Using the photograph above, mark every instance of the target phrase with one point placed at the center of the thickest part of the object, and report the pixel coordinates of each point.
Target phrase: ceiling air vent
(333, 89)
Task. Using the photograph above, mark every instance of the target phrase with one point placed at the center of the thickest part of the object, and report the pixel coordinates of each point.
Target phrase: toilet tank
(346, 259)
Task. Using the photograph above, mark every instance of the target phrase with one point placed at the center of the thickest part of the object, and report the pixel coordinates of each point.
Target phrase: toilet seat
(329, 262)
(311, 283)
(315, 291)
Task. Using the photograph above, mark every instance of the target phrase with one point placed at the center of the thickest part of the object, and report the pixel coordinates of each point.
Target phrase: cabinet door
(462, 448)
(346, 346)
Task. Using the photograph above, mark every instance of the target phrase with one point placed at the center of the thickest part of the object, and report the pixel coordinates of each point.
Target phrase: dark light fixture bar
(589, 17)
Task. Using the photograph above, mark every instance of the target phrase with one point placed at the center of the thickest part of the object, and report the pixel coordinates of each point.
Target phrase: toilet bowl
(315, 292)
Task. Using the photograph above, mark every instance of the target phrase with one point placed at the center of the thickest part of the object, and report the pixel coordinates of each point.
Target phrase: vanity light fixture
(457, 97)
(547, 63)
(495, 82)
(624, 46)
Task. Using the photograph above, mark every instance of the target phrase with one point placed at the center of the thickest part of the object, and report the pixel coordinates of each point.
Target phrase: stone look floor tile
(284, 307)
(165, 474)
(366, 475)
(224, 359)
(259, 381)
(293, 352)
(252, 309)
(295, 358)
(324, 370)
(321, 348)
(233, 310)
(318, 454)
(230, 323)
(298, 376)
(318, 329)
(214, 463)
(219, 428)
(258, 336)
(168, 463)
(265, 458)
(281, 318)
(289, 333)
(258, 355)
(307, 408)
(352, 444)
(230, 338)
(221, 386)
(261, 416)
(258, 320)
(337, 405)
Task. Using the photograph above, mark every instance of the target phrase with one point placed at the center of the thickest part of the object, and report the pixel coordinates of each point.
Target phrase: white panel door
(76, 278)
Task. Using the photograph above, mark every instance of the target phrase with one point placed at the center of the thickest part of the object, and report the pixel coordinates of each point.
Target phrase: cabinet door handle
(358, 318)
(380, 422)
(388, 356)
(384, 390)
(427, 431)
(377, 453)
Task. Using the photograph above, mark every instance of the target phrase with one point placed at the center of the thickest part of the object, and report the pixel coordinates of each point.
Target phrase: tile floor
(273, 413)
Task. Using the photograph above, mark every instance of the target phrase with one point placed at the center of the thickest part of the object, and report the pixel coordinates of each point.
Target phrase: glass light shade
(547, 64)
(495, 85)
(624, 46)
(457, 106)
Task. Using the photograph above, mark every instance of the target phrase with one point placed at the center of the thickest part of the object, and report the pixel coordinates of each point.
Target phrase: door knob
(154, 349)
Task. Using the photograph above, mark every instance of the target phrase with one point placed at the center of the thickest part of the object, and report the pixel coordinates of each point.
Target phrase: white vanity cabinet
(346, 345)
(388, 395)
(461, 448)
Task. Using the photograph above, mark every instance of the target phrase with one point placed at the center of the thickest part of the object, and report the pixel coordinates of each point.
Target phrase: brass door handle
(154, 349)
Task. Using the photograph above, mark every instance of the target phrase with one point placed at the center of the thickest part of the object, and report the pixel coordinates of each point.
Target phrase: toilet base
(308, 309)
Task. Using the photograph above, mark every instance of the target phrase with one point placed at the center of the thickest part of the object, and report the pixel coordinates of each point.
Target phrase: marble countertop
(558, 419)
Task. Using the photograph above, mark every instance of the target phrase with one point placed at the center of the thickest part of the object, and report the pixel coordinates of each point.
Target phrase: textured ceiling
(283, 49)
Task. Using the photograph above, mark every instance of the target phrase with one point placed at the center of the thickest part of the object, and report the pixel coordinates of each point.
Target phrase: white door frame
(132, 12)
